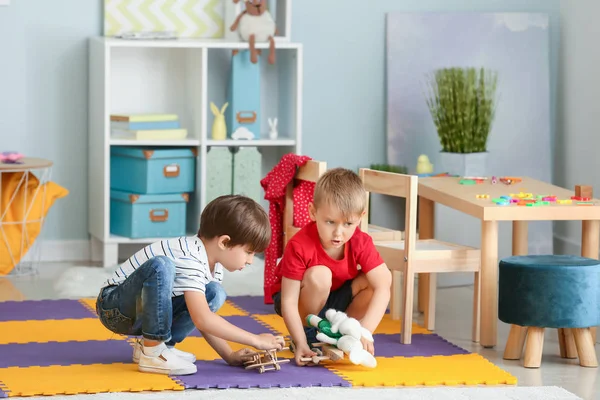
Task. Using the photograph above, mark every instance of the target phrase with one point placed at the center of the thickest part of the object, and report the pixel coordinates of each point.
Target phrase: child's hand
(368, 345)
(303, 352)
(266, 341)
(240, 356)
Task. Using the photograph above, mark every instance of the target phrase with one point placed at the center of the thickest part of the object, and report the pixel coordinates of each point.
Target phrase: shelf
(127, 142)
(194, 43)
(251, 143)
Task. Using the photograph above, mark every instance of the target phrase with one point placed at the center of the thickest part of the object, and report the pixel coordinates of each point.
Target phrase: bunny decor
(219, 128)
(273, 125)
(255, 25)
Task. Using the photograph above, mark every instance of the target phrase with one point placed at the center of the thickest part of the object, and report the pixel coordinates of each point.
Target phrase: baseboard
(60, 250)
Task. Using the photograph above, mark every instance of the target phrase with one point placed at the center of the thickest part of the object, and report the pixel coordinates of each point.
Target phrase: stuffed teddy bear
(255, 25)
(345, 333)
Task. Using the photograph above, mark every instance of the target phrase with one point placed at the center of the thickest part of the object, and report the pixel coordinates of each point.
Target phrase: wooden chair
(410, 256)
(311, 172)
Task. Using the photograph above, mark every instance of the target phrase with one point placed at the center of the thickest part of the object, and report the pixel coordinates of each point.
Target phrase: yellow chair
(410, 255)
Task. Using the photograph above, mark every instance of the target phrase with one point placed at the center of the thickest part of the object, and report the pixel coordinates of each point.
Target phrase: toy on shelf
(583, 193)
(255, 25)
(242, 133)
(273, 125)
(345, 334)
(11, 157)
(265, 360)
(219, 127)
(424, 166)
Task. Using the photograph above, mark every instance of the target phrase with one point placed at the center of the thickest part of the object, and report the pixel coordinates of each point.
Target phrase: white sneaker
(166, 363)
(137, 349)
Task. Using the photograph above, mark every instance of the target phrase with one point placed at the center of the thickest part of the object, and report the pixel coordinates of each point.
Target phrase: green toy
(323, 326)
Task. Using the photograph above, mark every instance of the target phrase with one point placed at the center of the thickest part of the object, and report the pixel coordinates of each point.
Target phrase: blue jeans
(143, 304)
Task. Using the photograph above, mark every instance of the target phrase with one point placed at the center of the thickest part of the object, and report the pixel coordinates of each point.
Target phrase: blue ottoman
(550, 291)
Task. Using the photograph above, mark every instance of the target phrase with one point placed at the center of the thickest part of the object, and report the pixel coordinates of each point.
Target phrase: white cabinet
(181, 77)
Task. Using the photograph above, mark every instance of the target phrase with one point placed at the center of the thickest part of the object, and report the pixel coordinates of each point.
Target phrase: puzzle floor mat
(55, 347)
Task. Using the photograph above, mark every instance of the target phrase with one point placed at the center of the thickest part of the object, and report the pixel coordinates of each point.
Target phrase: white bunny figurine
(273, 124)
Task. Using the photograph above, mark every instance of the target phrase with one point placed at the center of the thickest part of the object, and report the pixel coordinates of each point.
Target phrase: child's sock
(153, 351)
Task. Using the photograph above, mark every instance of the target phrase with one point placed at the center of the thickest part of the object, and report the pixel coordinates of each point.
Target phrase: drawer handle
(171, 170)
(159, 215)
(249, 118)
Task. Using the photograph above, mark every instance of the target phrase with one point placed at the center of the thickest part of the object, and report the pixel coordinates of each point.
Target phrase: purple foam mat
(217, 374)
(242, 321)
(252, 304)
(2, 393)
(421, 346)
(67, 353)
(43, 309)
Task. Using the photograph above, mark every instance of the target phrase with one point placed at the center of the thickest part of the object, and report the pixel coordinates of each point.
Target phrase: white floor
(453, 321)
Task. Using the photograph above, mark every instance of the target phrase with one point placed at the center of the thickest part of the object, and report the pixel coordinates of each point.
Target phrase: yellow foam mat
(388, 326)
(460, 369)
(64, 330)
(273, 322)
(228, 309)
(95, 378)
(90, 304)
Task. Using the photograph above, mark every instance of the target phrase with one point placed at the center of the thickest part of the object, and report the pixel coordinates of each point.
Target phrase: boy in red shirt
(319, 268)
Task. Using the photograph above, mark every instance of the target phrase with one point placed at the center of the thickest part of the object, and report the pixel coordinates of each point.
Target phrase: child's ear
(223, 242)
(312, 211)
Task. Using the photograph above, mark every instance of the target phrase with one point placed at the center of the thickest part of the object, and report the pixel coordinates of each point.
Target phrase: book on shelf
(143, 117)
(145, 125)
(149, 134)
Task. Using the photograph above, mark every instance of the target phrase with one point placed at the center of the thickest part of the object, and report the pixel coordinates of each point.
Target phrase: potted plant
(462, 104)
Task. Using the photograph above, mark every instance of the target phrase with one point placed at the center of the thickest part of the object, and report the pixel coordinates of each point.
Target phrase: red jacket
(275, 184)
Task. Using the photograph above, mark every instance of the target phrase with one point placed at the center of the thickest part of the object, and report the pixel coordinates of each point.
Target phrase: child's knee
(164, 266)
(360, 284)
(317, 279)
(215, 296)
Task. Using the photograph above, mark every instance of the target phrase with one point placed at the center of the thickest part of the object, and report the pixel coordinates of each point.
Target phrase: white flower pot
(463, 164)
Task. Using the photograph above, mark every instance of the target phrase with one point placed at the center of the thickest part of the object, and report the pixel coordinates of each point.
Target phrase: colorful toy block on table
(11, 157)
(265, 360)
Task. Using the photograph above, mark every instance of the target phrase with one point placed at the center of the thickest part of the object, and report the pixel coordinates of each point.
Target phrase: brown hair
(343, 189)
(240, 218)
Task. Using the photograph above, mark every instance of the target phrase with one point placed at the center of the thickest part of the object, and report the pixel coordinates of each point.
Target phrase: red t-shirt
(304, 250)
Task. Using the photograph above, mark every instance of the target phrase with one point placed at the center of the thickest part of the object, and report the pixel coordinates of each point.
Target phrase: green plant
(399, 169)
(462, 104)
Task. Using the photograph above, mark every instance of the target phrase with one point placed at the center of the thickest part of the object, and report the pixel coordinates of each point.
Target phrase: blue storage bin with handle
(147, 216)
(152, 170)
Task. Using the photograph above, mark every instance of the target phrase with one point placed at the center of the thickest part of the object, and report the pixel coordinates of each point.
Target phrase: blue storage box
(152, 171)
(243, 95)
(147, 216)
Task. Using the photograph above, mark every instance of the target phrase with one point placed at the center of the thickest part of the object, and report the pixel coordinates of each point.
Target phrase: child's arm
(380, 279)
(212, 324)
(290, 296)
(224, 350)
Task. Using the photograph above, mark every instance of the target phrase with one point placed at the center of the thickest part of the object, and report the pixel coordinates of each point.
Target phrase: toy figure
(424, 166)
(256, 25)
(345, 333)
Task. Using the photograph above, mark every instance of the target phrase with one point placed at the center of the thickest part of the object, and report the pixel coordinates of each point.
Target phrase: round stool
(550, 291)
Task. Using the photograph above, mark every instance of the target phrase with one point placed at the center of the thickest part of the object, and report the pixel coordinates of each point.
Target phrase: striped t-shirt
(192, 271)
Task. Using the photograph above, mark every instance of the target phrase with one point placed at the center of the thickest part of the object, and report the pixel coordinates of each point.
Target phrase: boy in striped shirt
(172, 286)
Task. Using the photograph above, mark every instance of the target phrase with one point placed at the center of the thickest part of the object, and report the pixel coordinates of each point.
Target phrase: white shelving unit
(180, 76)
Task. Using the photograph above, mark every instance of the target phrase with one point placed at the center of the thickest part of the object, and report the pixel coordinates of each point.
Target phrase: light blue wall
(43, 76)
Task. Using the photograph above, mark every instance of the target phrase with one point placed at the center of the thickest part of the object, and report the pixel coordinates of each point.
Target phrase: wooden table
(449, 192)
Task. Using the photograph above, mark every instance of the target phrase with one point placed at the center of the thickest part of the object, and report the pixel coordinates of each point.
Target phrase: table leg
(516, 338)
(489, 283)
(590, 241)
(426, 228)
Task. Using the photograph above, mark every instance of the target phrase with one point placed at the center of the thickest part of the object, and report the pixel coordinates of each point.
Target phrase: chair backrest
(311, 172)
(399, 185)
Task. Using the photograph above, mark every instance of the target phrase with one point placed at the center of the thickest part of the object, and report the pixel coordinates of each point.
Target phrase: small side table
(26, 256)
